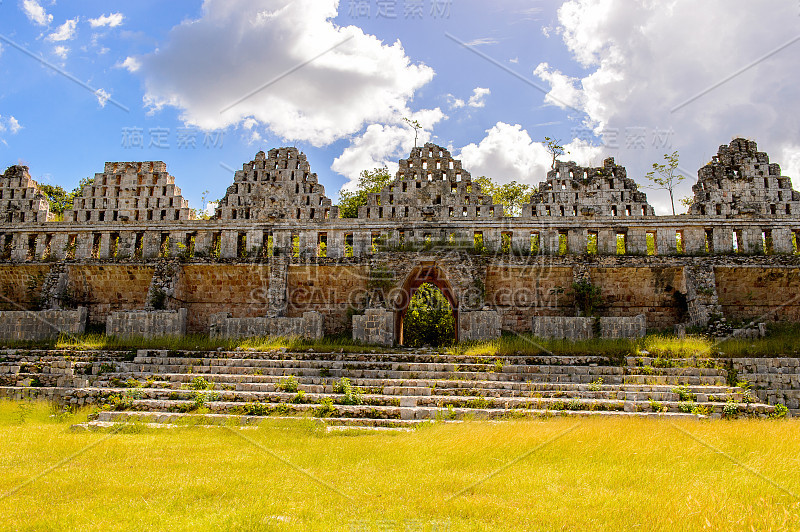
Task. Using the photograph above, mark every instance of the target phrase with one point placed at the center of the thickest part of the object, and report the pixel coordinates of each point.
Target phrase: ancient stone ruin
(277, 258)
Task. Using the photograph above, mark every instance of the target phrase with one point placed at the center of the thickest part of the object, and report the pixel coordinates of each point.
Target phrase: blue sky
(621, 78)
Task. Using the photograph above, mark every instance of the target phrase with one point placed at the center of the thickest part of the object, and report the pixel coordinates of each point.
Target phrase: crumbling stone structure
(21, 200)
(278, 249)
(572, 190)
(431, 185)
(277, 186)
(740, 180)
(131, 192)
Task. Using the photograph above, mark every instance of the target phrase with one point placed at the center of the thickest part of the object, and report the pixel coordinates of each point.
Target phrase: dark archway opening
(426, 273)
(429, 319)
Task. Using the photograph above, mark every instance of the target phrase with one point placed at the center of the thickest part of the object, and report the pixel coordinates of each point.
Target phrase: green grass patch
(292, 475)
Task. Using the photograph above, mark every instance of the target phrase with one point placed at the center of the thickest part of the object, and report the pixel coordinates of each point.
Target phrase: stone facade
(222, 325)
(131, 192)
(276, 186)
(278, 250)
(21, 201)
(740, 180)
(572, 190)
(633, 327)
(431, 185)
(569, 328)
(147, 324)
(479, 325)
(41, 325)
(375, 327)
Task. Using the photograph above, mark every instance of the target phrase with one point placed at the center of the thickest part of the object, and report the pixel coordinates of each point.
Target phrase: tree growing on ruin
(60, 200)
(512, 196)
(370, 182)
(429, 319)
(555, 149)
(665, 177)
(417, 127)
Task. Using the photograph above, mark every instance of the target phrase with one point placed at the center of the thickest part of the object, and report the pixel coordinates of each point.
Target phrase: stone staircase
(396, 390)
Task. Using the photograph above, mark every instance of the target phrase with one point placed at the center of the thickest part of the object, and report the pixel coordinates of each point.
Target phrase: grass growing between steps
(559, 474)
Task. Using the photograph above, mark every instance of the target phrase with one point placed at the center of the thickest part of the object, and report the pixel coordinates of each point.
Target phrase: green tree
(664, 176)
(370, 182)
(60, 200)
(417, 127)
(429, 319)
(512, 196)
(687, 202)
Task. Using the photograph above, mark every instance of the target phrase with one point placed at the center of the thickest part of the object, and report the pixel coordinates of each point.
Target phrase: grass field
(559, 474)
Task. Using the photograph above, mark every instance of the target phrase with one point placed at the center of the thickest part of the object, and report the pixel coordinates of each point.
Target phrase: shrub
(288, 385)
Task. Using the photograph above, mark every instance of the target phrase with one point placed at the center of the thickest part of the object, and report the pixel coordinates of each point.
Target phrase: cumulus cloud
(36, 13)
(267, 60)
(61, 51)
(646, 62)
(10, 125)
(131, 64)
(383, 145)
(476, 100)
(65, 32)
(111, 20)
(508, 153)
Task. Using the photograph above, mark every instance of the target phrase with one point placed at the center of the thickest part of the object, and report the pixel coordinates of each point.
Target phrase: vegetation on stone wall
(60, 200)
(370, 182)
(588, 297)
(512, 196)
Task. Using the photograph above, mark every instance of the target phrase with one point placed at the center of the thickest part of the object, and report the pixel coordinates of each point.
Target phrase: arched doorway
(425, 273)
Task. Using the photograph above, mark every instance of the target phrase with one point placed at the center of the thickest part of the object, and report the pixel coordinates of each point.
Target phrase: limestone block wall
(522, 291)
(654, 291)
(633, 327)
(776, 380)
(757, 292)
(147, 324)
(310, 326)
(562, 327)
(330, 289)
(375, 327)
(479, 325)
(105, 288)
(21, 201)
(41, 325)
(206, 289)
(21, 286)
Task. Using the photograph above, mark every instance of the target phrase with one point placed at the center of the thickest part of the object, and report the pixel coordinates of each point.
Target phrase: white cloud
(102, 97)
(131, 64)
(382, 145)
(65, 32)
(481, 41)
(111, 20)
(514, 61)
(36, 13)
(508, 153)
(13, 125)
(259, 53)
(644, 59)
(61, 51)
(478, 97)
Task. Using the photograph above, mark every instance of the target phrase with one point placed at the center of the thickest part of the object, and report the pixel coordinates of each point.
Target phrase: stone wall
(21, 286)
(583, 328)
(106, 288)
(762, 293)
(309, 326)
(523, 291)
(206, 289)
(776, 380)
(41, 325)
(633, 327)
(375, 327)
(657, 292)
(562, 328)
(147, 324)
(479, 325)
(330, 289)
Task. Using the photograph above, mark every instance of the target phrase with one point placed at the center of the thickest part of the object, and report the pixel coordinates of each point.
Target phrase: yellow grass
(621, 474)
